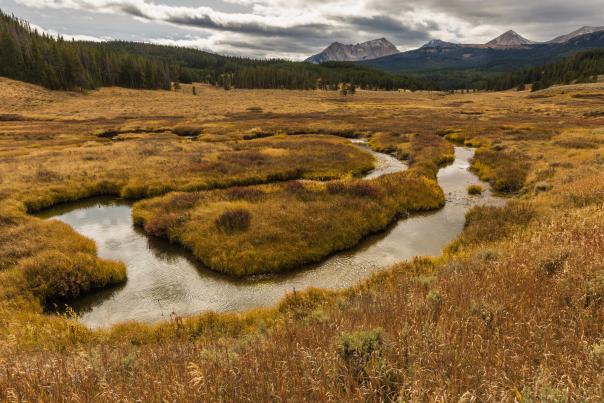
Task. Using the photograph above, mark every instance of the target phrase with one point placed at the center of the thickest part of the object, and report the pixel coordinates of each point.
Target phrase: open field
(513, 309)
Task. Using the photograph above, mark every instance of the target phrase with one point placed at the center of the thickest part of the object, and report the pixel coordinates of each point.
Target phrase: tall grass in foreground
(512, 311)
(404, 335)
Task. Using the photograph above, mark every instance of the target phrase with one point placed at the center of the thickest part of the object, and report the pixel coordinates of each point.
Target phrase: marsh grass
(486, 224)
(426, 152)
(507, 171)
(512, 313)
(295, 223)
(234, 220)
(286, 225)
(475, 190)
(136, 169)
(330, 339)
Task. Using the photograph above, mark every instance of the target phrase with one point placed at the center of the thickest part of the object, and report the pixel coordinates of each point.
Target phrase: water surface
(164, 278)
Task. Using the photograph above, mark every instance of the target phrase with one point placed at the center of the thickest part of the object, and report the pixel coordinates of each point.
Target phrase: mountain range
(339, 52)
(509, 51)
(574, 34)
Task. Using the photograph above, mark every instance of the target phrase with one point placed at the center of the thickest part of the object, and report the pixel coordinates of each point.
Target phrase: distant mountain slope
(582, 67)
(490, 58)
(574, 34)
(437, 43)
(509, 39)
(339, 52)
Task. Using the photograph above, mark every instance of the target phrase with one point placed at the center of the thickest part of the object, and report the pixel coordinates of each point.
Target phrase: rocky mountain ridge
(380, 48)
(340, 52)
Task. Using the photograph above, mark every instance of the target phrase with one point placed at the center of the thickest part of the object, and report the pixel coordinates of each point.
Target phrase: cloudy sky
(295, 29)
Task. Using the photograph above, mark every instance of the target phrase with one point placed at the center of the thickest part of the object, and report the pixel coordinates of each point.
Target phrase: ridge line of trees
(59, 64)
(56, 63)
(582, 67)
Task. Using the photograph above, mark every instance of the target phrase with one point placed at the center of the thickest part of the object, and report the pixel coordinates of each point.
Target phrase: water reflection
(164, 278)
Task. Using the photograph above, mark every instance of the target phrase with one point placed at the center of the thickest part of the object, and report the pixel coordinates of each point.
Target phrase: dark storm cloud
(540, 18)
(298, 27)
(392, 27)
(251, 28)
(280, 45)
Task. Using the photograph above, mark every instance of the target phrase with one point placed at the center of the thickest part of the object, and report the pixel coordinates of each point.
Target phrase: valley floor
(512, 310)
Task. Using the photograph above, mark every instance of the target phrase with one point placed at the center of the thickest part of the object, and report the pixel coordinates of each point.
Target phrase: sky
(296, 29)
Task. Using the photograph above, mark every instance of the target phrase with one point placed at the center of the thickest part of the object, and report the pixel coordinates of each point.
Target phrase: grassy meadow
(272, 228)
(513, 310)
(263, 229)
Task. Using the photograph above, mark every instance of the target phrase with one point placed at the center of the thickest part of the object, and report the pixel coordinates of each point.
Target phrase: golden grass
(475, 190)
(273, 228)
(512, 311)
(157, 164)
(506, 171)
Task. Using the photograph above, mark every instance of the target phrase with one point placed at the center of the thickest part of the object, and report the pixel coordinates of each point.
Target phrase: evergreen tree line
(190, 65)
(582, 67)
(38, 58)
(55, 63)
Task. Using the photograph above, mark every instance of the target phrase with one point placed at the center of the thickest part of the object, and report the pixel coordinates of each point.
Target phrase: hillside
(484, 58)
(509, 39)
(67, 65)
(59, 64)
(582, 67)
(361, 51)
(576, 33)
(438, 65)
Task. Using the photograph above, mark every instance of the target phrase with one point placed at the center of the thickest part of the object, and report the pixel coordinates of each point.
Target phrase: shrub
(55, 275)
(295, 188)
(434, 299)
(597, 349)
(475, 189)
(594, 295)
(107, 133)
(358, 347)
(365, 359)
(363, 189)
(554, 264)
(234, 220)
(162, 224)
(10, 117)
(186, 131)
(509, 180)
(541, 187)
(257, 133)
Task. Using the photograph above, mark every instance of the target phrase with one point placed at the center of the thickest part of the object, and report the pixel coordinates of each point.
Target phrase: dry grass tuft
(234, 220)
(475, 190)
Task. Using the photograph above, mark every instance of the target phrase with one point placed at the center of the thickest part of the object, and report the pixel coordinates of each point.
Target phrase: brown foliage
(234, 220)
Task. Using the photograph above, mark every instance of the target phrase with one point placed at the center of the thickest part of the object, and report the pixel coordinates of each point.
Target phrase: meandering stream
(164, 278)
